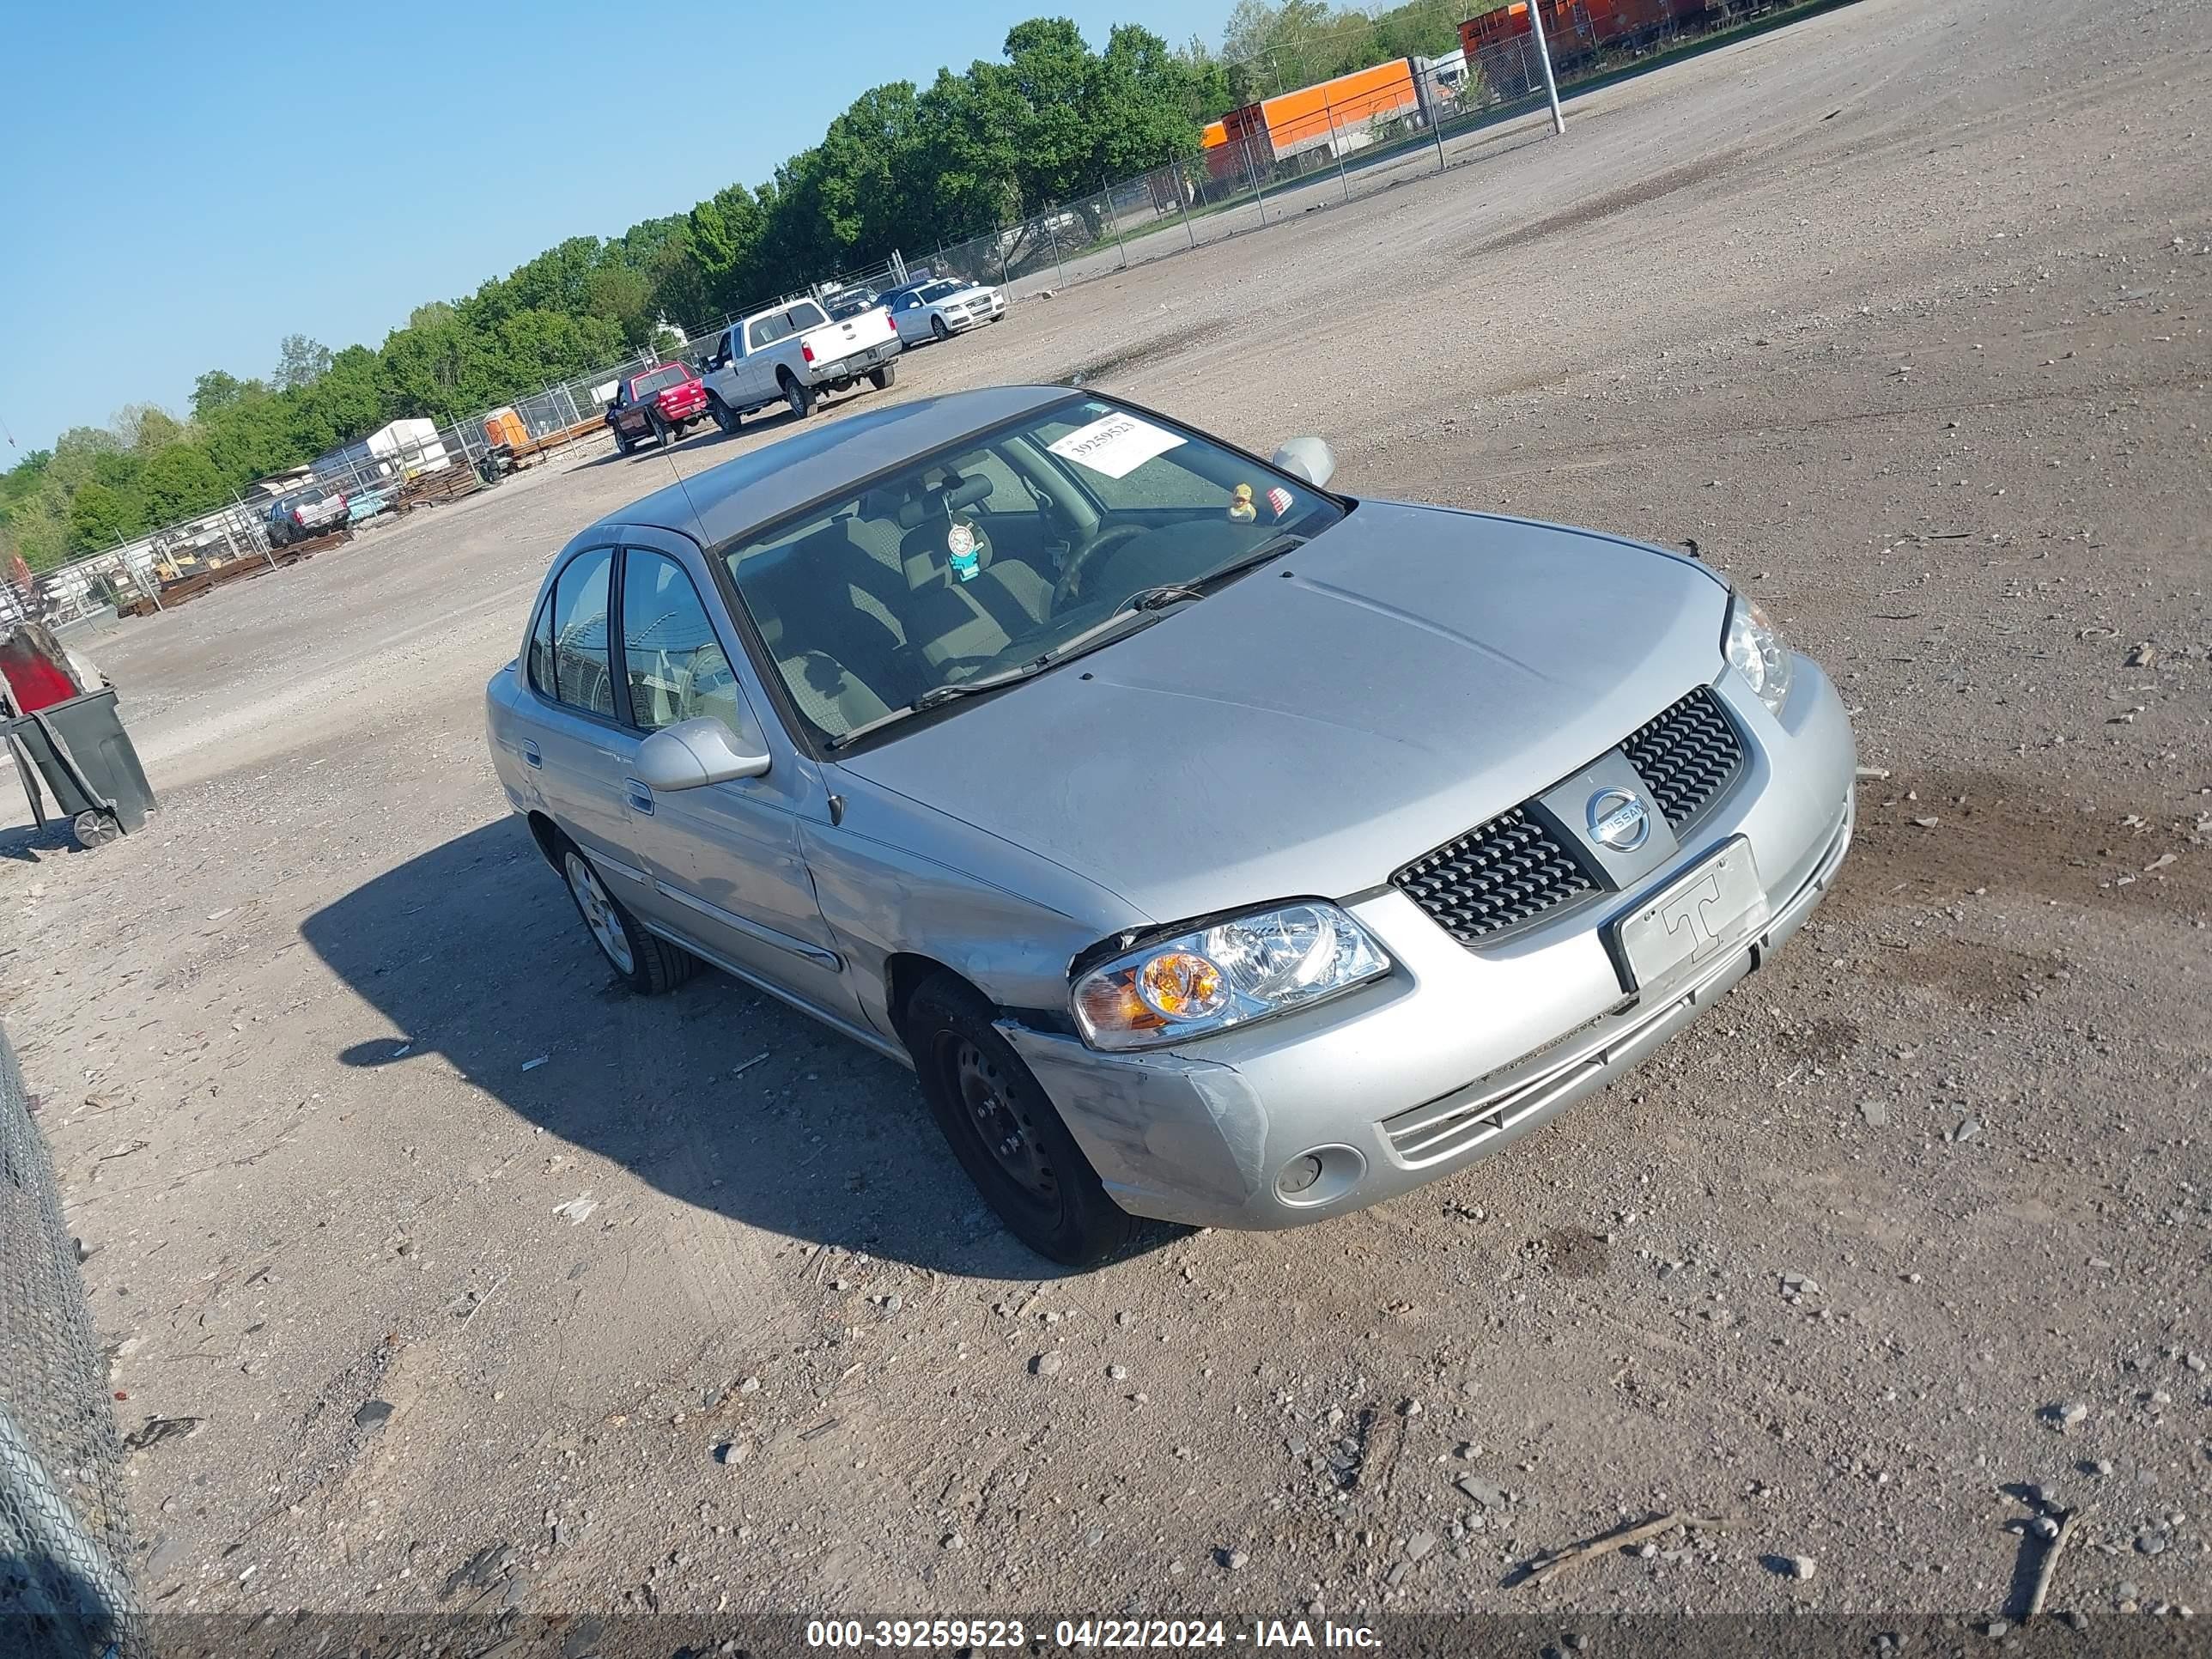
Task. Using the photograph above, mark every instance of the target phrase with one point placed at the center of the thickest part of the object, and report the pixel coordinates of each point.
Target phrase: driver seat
(1010, 591)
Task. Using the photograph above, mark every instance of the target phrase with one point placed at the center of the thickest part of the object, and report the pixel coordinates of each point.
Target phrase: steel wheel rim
(600, 912)
(797, 399)
(1001, 1125)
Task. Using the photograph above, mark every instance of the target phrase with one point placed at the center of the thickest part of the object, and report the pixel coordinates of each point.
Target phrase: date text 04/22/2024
(1261, 1635)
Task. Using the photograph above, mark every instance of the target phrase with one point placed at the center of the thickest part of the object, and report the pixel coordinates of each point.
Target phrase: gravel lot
(1899, 315)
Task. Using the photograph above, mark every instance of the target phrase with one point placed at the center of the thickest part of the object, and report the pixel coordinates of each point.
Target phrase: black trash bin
(79, 749)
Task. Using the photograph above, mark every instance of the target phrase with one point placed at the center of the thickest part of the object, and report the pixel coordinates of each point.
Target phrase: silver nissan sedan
(1216, 848)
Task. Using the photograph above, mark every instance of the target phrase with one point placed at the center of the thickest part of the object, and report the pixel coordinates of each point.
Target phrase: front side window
(676, 667)
(581, 676)
(1002, 552)
(541, 649)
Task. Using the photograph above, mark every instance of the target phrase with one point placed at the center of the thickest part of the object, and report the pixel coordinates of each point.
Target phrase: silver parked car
(1216, 848)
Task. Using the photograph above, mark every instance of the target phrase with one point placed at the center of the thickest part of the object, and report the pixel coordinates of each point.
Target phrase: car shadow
(717, 1095)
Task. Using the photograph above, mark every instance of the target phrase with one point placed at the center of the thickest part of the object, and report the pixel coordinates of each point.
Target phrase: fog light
(1298, 1174)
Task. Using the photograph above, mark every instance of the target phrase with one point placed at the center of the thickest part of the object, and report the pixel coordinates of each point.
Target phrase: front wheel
(1005, 1131)
(647, 964)
(881, 378)
(799, 396)
(936, 327)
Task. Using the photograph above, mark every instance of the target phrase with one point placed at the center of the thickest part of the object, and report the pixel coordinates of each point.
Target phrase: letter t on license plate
(1696, 921)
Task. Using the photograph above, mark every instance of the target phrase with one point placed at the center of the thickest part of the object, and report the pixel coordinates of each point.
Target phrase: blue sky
(159, 163)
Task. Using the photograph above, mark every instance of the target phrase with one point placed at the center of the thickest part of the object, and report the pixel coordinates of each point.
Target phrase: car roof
(819, 461)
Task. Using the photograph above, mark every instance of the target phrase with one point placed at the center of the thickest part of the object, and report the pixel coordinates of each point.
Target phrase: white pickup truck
(792, 354)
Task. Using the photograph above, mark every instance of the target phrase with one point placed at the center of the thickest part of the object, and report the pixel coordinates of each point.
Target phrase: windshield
(646, 385)
(1043, 536)
(938, 290)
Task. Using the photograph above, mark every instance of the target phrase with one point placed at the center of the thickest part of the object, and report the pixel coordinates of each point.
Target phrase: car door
(721, 370)
(582, 753)
(906, 319)
(757, 373)
(725, 861)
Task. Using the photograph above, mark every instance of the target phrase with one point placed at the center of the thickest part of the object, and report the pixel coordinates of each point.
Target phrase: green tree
(216, 391)
(146, 427)
(301, 362)
(100, 517)
(178, 483)
(622, 295)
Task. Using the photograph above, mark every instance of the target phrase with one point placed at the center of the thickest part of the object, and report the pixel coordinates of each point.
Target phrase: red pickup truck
(662, 403)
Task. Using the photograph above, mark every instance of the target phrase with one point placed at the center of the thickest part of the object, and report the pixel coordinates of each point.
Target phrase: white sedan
(940, 309)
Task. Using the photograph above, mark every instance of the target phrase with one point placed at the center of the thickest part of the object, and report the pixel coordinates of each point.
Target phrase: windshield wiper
(1221, 575)
(1123, 621)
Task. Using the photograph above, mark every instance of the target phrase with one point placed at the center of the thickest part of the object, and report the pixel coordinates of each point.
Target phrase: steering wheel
(1067, 590)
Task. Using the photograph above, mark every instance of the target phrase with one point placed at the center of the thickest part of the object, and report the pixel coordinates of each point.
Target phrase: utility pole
(1544, 58)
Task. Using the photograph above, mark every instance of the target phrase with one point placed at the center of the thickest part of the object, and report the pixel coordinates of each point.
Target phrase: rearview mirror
(693, 753)
(1309, 459)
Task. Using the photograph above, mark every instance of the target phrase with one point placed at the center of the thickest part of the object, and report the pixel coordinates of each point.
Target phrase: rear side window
(582, 678)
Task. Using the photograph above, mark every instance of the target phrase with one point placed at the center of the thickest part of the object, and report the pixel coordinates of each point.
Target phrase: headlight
(1229, 974)
(1757, 652)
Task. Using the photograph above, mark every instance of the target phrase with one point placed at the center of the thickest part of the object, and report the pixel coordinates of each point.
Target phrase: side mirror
(1309, 459)
(697, 752)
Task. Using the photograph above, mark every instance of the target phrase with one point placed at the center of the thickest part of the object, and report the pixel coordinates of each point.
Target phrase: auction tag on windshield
(1114, 446)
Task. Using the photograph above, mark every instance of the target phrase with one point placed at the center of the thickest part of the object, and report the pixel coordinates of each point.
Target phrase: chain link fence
(1438, 114)
(64, 1533)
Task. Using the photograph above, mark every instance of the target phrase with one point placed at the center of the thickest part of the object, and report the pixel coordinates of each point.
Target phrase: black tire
(664, 431)
(799, 396)
(939, 331)
(881, 378)
(725, 416)
(649, 965)
(1033, 1174)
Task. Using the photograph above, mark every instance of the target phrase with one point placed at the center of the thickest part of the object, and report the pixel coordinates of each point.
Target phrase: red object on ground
(36, 669)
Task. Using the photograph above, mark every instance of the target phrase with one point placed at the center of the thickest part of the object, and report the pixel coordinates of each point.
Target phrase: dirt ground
(1900, 315)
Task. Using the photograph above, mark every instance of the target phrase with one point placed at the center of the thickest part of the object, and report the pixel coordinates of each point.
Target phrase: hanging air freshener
(960, 543)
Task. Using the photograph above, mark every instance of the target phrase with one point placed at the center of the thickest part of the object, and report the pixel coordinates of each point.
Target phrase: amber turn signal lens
(1181, 984)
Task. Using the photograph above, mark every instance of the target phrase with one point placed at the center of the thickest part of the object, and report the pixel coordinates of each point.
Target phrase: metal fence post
(1182, 201)
(1106, 202)
(1544, 58)
(1252, 176)
(1435, 105)
(1329, 108)
(1053, 242)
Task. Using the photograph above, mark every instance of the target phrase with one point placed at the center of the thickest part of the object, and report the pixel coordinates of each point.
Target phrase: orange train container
(1313, 115)
(1574, 29)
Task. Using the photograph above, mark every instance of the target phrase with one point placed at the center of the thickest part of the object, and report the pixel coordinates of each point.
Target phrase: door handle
(530, 753)
(640, 797)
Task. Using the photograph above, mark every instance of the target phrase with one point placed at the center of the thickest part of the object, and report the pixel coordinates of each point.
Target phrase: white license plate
(1696, 921)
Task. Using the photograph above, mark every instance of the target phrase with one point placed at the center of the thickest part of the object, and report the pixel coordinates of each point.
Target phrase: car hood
(1399, 679)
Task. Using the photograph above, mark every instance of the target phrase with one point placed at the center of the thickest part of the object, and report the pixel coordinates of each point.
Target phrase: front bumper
(1457, 1053)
